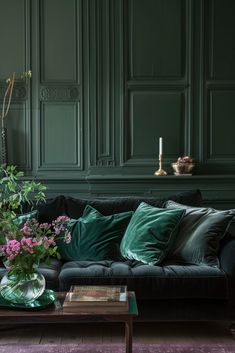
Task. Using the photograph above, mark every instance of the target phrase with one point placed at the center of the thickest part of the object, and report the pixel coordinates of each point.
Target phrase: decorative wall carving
(60, 93)
(19, 92)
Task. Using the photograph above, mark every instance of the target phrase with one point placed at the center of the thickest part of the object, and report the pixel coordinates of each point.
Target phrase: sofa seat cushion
(51, 273)
(148, 282)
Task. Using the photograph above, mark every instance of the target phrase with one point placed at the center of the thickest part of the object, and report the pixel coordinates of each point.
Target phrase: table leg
(128, 334)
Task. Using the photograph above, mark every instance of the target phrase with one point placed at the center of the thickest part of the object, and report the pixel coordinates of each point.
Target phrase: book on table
(96, 298)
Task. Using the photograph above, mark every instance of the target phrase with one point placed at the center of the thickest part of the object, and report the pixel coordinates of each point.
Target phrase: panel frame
(43, 166)
(182, 84)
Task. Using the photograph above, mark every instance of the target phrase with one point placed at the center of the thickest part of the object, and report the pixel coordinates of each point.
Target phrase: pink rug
(116, 348)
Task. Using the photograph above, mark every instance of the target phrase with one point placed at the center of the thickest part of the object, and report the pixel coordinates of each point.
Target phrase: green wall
(109, 78)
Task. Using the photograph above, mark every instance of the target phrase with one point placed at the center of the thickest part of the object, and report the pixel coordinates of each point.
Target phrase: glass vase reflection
(22, 288)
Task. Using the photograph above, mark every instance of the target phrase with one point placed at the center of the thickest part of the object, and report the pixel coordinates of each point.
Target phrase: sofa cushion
(147, 281)
(108, 206)
(199, 236)
(94, 236)
(22, 218)
(51, 209)
(150, 234)
(51, 272)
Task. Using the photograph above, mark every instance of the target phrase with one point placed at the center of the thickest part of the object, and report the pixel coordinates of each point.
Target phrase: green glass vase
(22, 288)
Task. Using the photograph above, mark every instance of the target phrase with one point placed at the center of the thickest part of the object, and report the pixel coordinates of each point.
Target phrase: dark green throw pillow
(199, 234)
(150, 234)
(90, 212)
(93, 237)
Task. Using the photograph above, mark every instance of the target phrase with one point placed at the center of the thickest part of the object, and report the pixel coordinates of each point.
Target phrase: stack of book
(96, 299)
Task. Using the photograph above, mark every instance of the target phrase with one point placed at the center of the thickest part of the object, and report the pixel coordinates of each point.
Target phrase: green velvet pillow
(199, 234)
(22, 218)
(94, 237)
(150, 234)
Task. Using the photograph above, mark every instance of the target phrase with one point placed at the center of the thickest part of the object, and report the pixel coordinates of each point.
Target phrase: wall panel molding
(15, 39)
(64, 151)
(145, 109)
(156, 81)
(60, 61)
(218, 91)
(109, 78)
(162, 55)
(220, 38)
(102, 137)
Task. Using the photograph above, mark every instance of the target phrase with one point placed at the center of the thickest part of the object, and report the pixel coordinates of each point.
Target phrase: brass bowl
(182, 168)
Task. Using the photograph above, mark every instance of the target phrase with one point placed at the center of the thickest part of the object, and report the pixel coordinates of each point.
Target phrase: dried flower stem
(7, 99)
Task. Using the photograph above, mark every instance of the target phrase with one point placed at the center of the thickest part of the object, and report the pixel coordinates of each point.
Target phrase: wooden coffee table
(55, 314)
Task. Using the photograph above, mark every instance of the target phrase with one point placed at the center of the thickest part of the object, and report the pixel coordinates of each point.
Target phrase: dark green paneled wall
(109, 78)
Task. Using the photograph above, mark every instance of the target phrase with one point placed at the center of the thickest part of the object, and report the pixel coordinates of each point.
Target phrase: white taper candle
(160, 145)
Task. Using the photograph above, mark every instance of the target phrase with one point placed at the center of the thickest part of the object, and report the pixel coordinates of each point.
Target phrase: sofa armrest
(227, 263)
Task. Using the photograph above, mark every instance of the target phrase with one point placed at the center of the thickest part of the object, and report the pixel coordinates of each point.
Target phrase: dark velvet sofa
(168, 291)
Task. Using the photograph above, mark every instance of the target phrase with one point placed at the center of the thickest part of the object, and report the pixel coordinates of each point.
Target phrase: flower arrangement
(183, 165)
(30, 243)
(24, 245)
(24, 242)
(185, 159)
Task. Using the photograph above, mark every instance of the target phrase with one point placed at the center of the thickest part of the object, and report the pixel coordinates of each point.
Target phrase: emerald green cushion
(150, 234)
(22, 218)
(93, 236)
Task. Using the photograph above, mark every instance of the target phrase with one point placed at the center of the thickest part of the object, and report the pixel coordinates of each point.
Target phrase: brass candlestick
(160, 171)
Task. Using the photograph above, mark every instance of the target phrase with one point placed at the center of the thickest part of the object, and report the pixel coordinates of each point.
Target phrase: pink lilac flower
(28, 244)
(2, 248)
(59, 224)
(13, 245)
(44, 226)
(49, 242)
(27, 230)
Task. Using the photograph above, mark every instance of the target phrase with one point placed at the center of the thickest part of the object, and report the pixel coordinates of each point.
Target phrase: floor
(186, 332)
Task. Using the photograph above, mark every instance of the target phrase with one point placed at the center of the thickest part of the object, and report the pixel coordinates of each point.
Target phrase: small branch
(4, 102)
(10, 95)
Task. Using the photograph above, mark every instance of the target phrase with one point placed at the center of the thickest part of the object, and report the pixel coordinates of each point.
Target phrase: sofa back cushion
(150, 233)
(108, 206)
(49, 210)
(93, 237)
(199, 236)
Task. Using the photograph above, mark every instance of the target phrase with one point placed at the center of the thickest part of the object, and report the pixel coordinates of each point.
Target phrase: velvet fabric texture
(149, 282)
(150, 233)
(74, 207)
(22, 218)
(199, 234)
(94, 237)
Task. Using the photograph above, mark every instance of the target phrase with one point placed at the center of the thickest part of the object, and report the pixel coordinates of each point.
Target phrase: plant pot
(22, 288)
(182, 168)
